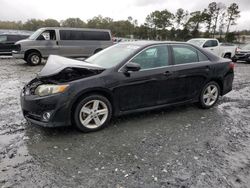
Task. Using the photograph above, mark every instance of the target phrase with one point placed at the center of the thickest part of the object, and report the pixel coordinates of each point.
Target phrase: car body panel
(131, 92)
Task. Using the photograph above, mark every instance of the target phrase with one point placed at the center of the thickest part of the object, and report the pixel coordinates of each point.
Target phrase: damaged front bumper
(48, 111)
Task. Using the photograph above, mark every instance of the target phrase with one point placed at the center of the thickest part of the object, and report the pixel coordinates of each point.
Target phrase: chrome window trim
(162, 66)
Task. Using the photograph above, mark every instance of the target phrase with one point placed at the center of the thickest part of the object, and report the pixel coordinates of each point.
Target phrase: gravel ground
(175, 147)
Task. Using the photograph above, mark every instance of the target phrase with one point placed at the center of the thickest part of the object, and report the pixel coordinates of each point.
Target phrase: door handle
(57, 43)
(212, 49)
(167, 73)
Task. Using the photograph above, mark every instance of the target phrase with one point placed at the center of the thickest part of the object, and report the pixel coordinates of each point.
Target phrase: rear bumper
(228, 83)
(18, 54)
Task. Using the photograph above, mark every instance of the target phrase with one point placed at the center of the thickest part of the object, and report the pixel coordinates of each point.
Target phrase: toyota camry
(124, 78)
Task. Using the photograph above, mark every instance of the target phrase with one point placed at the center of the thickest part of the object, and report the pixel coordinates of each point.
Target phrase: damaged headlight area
(50, 89)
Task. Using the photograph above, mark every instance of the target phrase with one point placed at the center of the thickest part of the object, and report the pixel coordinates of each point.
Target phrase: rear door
(71, 43)
(192, 69)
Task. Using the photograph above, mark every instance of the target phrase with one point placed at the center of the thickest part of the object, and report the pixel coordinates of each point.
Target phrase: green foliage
(159, 24)
(51, 23)
(73, 22)
(230, 37)
(233, 14)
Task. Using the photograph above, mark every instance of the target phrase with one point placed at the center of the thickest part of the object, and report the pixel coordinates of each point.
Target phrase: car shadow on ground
(121, 122)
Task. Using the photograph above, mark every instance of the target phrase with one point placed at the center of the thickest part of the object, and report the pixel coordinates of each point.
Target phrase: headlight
(49, 89)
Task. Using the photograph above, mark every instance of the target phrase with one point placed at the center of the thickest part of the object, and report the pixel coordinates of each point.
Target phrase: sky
(15, 10)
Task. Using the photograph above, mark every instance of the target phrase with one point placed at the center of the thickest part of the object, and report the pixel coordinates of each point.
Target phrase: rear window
(187, 54)
(84, 35)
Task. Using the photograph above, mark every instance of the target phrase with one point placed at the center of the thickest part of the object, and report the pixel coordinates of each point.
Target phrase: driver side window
(152, 57)
(47, 35)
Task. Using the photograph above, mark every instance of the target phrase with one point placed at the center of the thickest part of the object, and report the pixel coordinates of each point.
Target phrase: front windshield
(196, 42)
(247, 47)
(35, 34)
(113, 55)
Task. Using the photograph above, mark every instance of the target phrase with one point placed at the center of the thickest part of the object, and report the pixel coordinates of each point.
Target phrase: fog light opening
(46, 116)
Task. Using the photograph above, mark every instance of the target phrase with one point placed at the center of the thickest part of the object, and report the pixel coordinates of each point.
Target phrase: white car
(226, 51)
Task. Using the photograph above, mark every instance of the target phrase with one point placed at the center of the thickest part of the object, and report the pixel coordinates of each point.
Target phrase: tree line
(215, 19)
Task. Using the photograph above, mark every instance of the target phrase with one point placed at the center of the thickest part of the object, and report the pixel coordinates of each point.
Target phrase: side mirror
(132, 67)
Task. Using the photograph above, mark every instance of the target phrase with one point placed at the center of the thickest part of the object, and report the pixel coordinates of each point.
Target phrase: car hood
(56, 64)
(23, 40)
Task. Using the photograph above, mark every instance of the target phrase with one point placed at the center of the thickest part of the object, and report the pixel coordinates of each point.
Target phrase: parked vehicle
(242, 54)
(68, 42)
(124, 78)
(223, 50)
(7, 42)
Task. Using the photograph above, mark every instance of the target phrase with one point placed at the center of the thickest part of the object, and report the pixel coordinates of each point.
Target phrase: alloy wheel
(93, 114)
(210, 95)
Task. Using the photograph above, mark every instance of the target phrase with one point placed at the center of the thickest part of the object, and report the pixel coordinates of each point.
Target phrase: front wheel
(234, 59)
(209, 95)
(34, 58)
(92, 113)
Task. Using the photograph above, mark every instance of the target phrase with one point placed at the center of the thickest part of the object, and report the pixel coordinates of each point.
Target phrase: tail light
(231, 65)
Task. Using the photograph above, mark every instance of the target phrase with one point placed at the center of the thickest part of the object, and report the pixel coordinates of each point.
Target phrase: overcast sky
(116, 9)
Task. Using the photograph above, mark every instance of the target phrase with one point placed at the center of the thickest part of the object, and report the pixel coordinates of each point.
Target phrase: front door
(48, 43)
(142, 88)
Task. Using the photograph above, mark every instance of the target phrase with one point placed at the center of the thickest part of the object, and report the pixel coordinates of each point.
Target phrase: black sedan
(7, 42)
(124, 78)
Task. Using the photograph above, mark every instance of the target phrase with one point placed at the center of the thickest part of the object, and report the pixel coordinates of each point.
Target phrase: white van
(68, 42)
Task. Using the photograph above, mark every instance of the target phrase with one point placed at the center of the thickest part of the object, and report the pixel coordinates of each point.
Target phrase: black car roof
(144, 43)
(147, 43)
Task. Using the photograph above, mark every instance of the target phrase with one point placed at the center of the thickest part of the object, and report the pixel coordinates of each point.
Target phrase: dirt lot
(175, 147)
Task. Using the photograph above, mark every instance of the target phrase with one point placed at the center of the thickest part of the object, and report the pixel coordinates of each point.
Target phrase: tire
(209, 99)
(97, 50)
(227, 56)
(234, 60)
(34, 58)
(86, 116)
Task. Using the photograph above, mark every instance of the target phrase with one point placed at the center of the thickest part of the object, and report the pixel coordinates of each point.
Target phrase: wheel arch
(27, 52)
(95, 91)
(97, 50)
(228, 53)
(219, 82)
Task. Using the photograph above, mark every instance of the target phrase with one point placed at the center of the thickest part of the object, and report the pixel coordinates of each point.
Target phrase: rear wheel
(234, 59)
(92, 113)
(34, 58)
(97, 50)
(209, 95)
